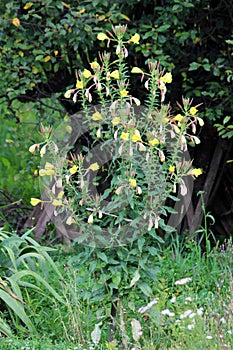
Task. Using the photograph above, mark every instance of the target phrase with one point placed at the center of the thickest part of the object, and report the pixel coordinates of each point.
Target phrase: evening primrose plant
(145, 145)
(109, 170)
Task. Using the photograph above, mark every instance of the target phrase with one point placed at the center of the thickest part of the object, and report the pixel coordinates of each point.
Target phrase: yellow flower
(125, 136)
(57, 203)
(171, 168)
(79, 84)
(50, 172)
(119, 190)
(69, 129)
(116, 121)
(47, 58)
(133, 182)
(136, 136)
(153, 142)
(176, 129)
(193, 110)
(179, 118)
(44, 172)
(70, 221)
(28, 5)
(124, 93)
(68, 94)
(115, 74)
(86, 73)
(136, 70)
(142, 148)
(16, 22)
(195, 172)
(200, 121)
(35, 201)
(167, 78)
(94, 65)
(96, 116)
(102, 36)
(32, 148)
(135, 38)
(137, 101)
(73, 170)
(48, 166)
(43, 150)
(60, 195)
(94, 166)
(90, 219)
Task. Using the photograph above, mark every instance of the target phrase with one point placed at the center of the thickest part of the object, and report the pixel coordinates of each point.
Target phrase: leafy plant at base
(22, 260)
(144, 148)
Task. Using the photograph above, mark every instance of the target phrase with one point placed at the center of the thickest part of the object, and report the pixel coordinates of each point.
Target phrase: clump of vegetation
(190, 305)
(142, 153)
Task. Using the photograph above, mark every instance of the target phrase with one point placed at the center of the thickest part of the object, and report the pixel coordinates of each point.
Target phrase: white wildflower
(173, 300)
(168, 313)
(183, 281)
(200, 311)
(186, 314)
(222, 320)
(190, 326)
(143, 309)
(188, 299)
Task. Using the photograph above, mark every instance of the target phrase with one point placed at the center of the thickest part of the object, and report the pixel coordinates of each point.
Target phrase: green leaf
(226, 119)
(153, 251)
(230, 42)
(103, 257)
(19, 275)
(18, 309)
(146, 289)
(141, 242)
(4, 328)
(135, 278)
(194, 66)
(116, 278)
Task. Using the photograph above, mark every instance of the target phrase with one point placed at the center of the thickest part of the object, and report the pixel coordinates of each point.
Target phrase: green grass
(194, 315)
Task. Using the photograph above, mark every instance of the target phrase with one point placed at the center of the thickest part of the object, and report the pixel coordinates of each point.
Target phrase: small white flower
(183, 281)
(186, 314)
(192, 315)
(188, 299)
(168, 313)
(200, 311)
(222, 320)
(209, 337)
(143, 309)
(173, 300)
(67, 178)
(190, 326)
